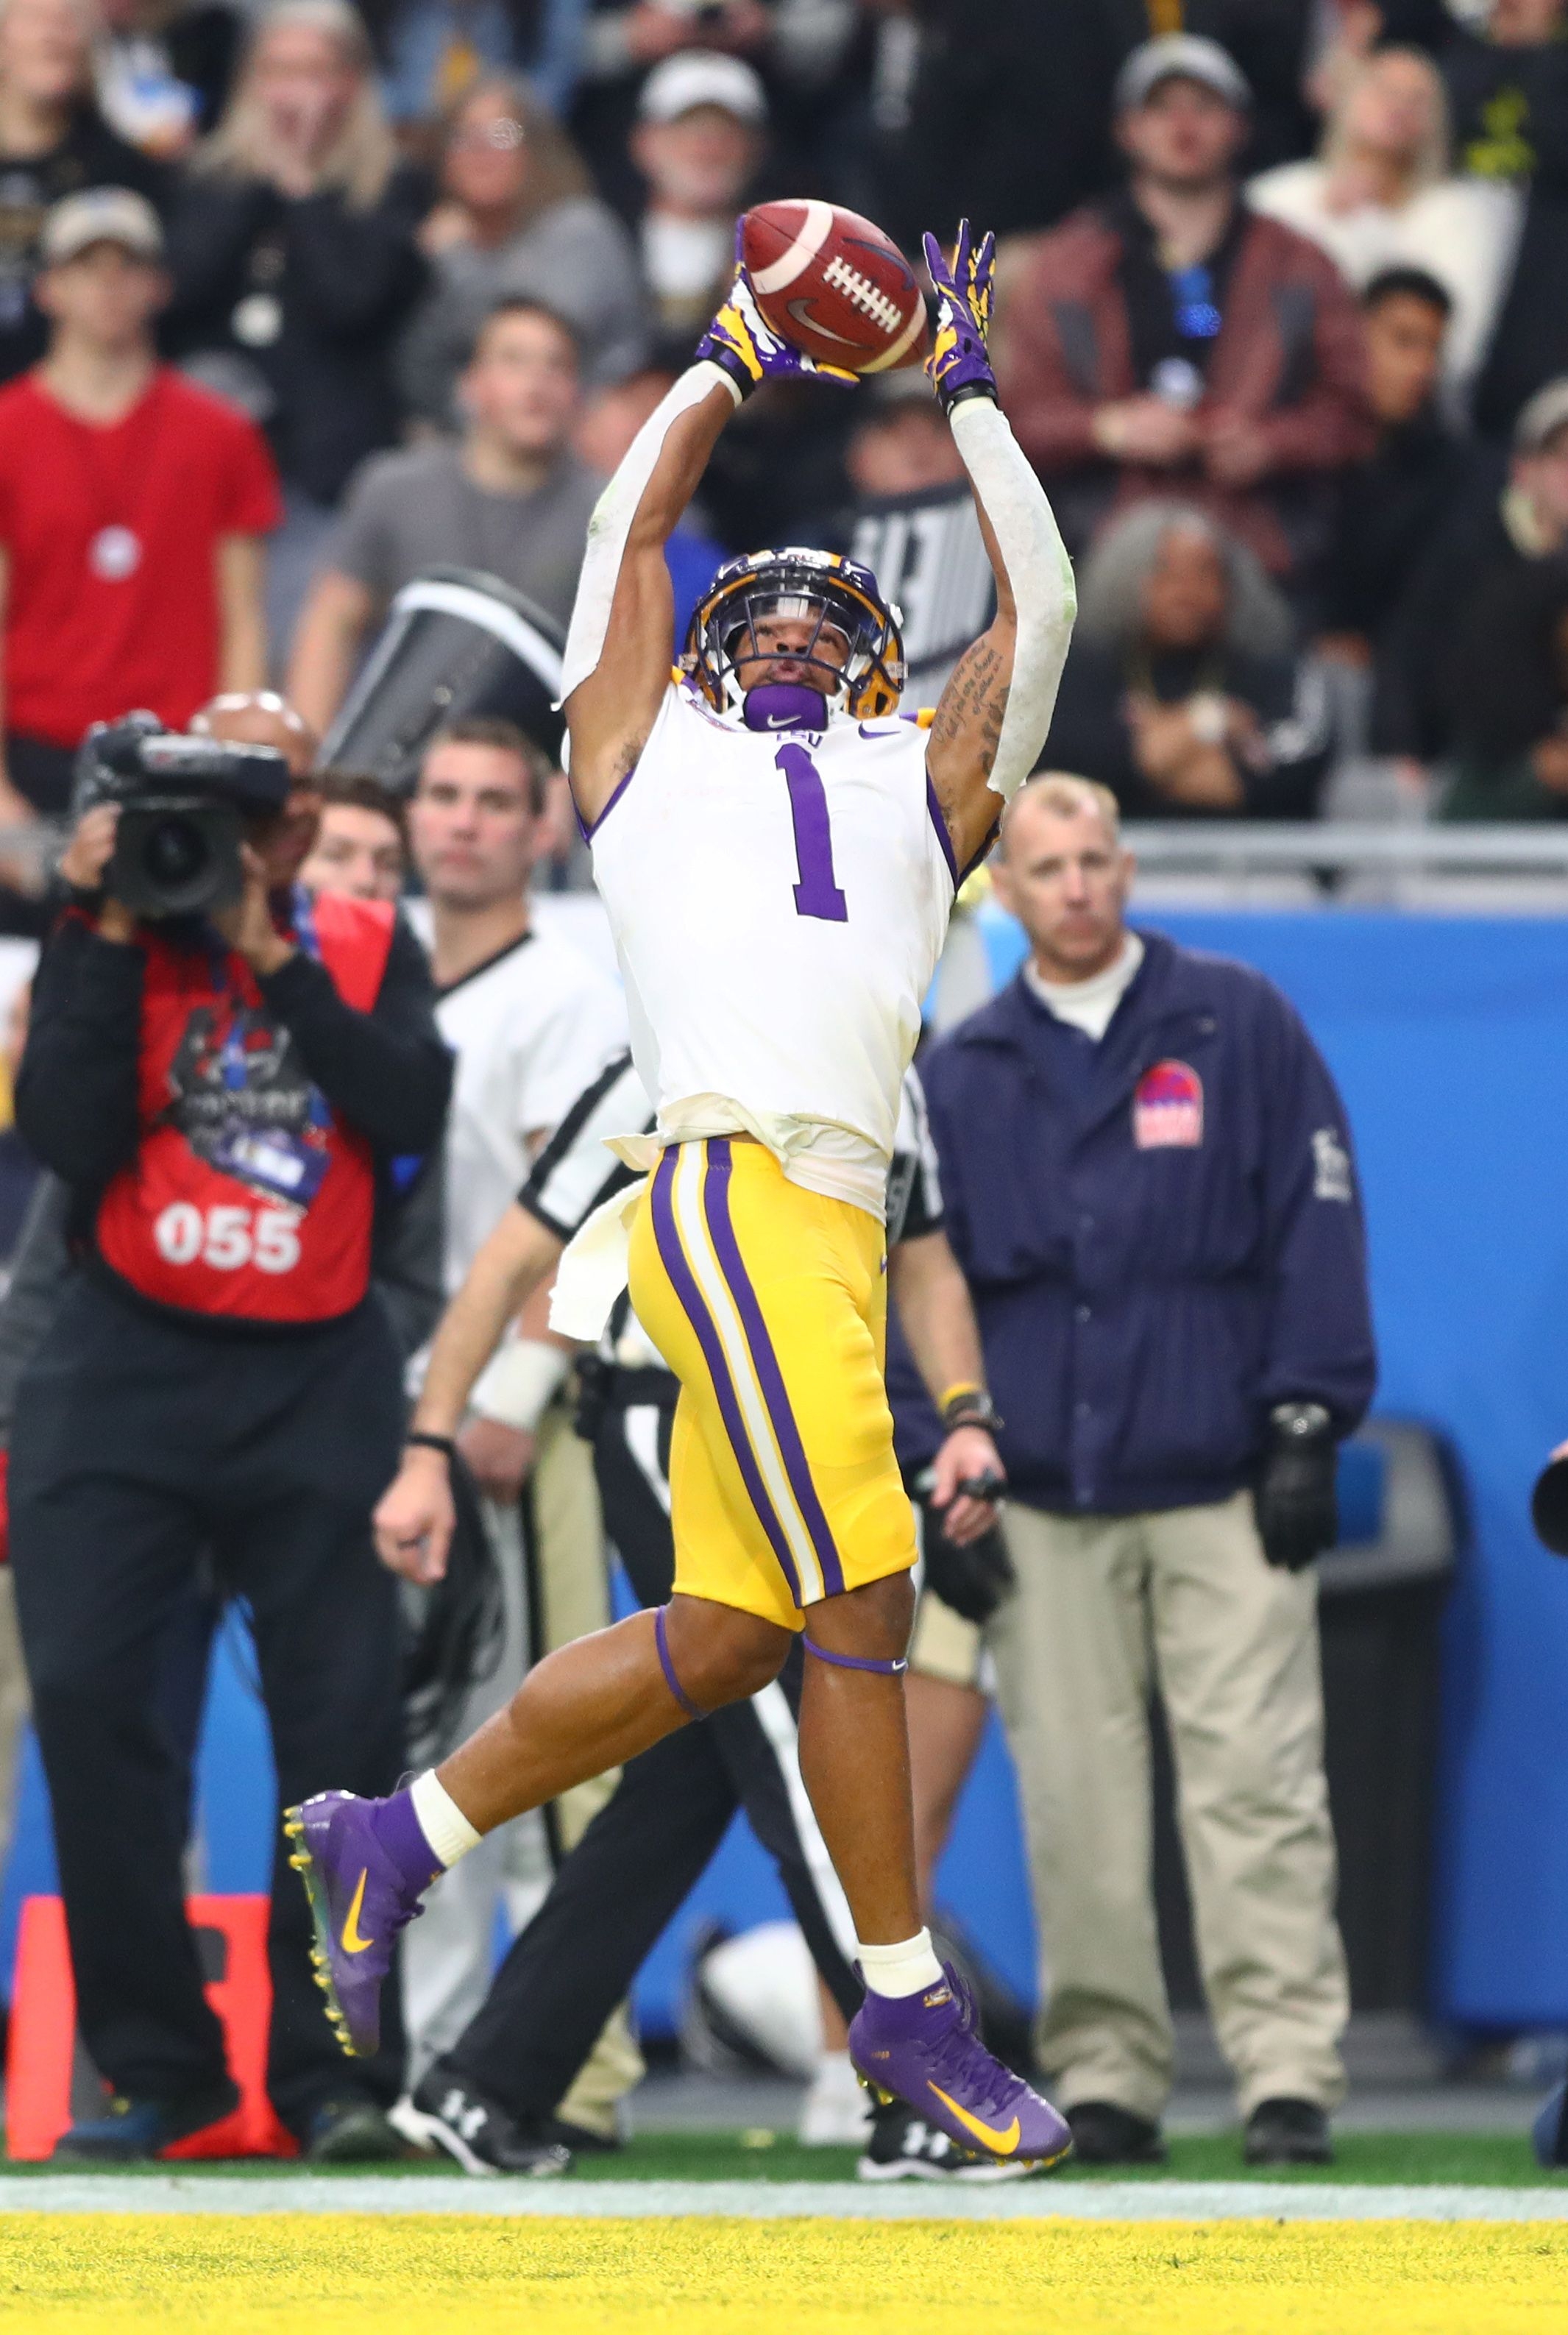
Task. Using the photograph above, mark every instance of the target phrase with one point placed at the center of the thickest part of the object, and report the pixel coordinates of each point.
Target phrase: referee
(490, 2100)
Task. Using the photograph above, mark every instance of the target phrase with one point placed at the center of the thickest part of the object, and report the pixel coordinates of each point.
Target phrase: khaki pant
(1184, 1596)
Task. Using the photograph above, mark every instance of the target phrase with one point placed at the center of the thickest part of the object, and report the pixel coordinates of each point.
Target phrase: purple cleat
(365, 1864)
(923, 2049)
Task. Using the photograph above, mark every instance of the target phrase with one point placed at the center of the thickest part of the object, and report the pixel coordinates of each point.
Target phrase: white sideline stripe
(747, 2201)
(814, 226)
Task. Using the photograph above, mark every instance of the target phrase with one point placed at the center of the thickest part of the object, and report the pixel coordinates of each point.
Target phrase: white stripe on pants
(1232, 1643)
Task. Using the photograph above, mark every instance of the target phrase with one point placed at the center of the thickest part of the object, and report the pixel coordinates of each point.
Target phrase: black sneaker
(1104, 2134)
(352, 2129)
(133, 2132)
(904, 2147)
(481, 2136)
(1288, 2132)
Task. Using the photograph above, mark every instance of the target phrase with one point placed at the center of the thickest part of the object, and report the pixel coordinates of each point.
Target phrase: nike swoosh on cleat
(1000, 2144)
(351, 1943)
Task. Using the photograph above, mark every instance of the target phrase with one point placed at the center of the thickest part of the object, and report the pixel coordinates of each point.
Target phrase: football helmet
(821, 585)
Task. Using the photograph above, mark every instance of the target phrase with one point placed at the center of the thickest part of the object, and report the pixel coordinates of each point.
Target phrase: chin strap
(856, 1661)
(1039, 572)
(612, 522)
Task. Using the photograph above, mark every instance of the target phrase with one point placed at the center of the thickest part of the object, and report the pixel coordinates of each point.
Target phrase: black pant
(652, 1840)
(138, 1444)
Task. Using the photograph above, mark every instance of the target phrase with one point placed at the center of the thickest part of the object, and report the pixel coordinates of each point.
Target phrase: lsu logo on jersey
(1167, 1108)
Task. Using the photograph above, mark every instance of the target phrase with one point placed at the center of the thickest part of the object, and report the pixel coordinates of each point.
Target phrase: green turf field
(1474, 2159)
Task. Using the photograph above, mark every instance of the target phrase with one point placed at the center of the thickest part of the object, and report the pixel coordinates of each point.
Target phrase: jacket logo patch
(1330, 1166)
(1168, 1110)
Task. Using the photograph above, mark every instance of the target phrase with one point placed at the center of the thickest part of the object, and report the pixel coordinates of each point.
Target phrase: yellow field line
(363, 2274)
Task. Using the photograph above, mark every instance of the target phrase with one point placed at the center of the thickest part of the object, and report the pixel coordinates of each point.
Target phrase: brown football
(834, 286)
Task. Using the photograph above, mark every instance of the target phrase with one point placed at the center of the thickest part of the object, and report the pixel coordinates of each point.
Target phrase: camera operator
(224, 1090)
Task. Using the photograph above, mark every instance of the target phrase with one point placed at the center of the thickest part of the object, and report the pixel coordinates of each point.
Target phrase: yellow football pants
(770, 1303)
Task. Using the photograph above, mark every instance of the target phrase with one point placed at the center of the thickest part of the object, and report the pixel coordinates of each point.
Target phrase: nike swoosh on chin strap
(351, 1943)
(1000, 2144)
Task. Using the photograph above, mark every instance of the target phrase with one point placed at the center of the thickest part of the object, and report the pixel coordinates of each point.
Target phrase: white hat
(702, 77)
(1182, 56)
(102, 215)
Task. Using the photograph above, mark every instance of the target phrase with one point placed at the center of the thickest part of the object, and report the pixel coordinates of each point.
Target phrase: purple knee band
(661, 1639)
(856, 1661)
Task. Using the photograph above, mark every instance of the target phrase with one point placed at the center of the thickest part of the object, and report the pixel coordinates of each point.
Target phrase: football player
(778, 850)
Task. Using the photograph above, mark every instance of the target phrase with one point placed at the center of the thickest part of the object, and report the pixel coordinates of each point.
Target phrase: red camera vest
(200, 1218)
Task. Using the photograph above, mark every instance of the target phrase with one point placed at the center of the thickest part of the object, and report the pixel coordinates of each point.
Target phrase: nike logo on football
(351, 1943)
(801, 312)
(1001, 2143)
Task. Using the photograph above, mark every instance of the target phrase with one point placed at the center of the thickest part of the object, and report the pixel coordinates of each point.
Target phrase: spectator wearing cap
(518, 217)
(1512, 519)
(294, 262)
(1167, 341)
(1184, 693)
(1381, 195)
(1272, 41)
(509, 498)
(702, 122)
(54, 142)
(133, 511)
(801, 47)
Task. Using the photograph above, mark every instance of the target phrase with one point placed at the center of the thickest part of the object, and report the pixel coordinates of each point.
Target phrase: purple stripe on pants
(672, 1257)
(765, 1361)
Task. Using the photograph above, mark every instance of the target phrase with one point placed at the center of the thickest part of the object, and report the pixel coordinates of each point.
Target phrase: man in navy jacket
(1150, 1187)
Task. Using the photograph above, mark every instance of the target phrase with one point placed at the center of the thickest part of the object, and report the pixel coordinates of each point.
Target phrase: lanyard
(1198, 318)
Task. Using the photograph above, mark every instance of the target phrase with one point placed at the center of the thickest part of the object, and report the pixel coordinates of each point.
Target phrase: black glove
(973, 1580)
(1297, 1507)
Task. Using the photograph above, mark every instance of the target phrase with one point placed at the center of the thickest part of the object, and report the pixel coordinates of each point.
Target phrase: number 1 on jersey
(817, 894)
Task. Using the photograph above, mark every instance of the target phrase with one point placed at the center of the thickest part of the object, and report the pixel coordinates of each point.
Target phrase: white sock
(898, 1970)
(442, 1821)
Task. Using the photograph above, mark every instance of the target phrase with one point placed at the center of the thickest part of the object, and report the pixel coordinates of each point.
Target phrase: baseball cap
(1542, 418)
(1181, 56)
(702, 77)
(102, 215)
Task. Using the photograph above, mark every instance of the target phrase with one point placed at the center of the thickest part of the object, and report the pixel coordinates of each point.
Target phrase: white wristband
(517, 1385)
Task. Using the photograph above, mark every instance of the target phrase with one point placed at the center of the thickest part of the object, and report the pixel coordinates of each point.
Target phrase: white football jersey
(778, 904)
(528, 1028)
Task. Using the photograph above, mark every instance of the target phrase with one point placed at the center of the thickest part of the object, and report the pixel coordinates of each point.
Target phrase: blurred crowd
(298, 301)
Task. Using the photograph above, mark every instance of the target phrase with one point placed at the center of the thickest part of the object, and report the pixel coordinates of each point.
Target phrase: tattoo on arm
(973, 704)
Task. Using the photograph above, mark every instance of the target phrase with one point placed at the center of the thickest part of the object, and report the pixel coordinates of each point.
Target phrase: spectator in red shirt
(1169, 341)
(132, 511)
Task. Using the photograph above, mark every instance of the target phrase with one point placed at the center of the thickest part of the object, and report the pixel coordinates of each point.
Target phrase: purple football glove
(745, 345)
(958, 364)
